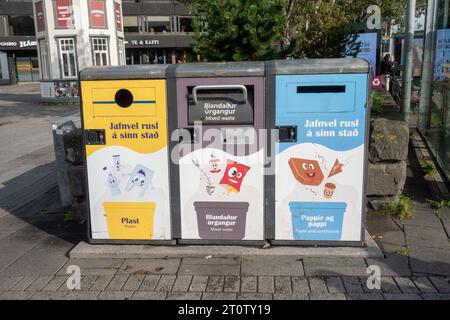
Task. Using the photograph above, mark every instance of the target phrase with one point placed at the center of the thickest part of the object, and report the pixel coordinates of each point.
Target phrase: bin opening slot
(123, 98)
(221, 104)
(321, 89)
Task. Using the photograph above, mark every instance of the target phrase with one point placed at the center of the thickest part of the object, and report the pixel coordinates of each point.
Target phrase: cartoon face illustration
(307, 172)
(113, 184)
(234, 175)
(111, 180)
(141, 177)
(214, 164)
(116, 161)
(329, 190)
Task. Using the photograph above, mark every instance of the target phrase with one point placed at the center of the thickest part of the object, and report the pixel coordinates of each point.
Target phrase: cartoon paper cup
(130, 220)
(221, 220)
(329, 190)
(317, 220)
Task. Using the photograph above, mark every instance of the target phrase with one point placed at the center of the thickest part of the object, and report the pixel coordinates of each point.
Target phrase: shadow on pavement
(27, 195)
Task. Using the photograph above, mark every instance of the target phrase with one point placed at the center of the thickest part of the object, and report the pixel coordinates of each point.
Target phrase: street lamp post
(408, 60)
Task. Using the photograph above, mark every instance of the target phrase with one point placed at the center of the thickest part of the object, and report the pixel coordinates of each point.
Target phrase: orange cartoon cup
(329, 190)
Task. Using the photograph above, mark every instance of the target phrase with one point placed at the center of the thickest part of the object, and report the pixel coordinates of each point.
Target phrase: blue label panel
(327, 109)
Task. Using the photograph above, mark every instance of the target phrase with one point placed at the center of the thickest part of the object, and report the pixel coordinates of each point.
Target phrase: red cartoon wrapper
(234, 175)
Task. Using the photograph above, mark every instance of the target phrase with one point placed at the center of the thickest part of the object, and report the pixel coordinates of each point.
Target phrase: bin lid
(317, 66)
(130, 72)
(216, 69)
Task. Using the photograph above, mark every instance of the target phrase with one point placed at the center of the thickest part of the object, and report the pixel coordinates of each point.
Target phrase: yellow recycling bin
(130, 220)
(124, 113)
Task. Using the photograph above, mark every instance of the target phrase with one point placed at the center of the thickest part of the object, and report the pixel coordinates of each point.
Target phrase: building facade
(18, 51)
(72, 35)
(153, 32)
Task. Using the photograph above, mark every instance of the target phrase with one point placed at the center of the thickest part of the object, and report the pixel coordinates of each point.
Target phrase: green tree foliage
(322, 29)
(237, 30)
(247, 30)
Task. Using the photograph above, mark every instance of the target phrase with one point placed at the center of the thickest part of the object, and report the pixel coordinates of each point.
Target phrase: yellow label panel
(144, 103)
(141, 127)
(130, 220)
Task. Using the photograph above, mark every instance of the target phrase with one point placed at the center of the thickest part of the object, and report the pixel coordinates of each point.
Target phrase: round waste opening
(123, 98)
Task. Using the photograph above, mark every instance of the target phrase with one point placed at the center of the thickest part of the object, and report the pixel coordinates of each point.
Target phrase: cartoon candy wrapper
(234, 175)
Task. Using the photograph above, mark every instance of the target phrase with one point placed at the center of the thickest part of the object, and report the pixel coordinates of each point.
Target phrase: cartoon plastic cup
(329, 190)
(130, 220)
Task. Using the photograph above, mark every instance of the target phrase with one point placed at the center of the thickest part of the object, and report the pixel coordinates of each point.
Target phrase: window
(157, 24)
(97, 14)
(21, 26)
(43, 53)
(100, 51)
(130, 24)
(185, 24)
(121, 52)
(67, 57)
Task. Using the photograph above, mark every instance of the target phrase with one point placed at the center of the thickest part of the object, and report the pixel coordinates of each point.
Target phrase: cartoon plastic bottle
(116, 161)
(141, 178)
(113, 183)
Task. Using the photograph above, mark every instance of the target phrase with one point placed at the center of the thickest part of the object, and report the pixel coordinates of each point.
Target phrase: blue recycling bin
(317, 111)
(317, 220)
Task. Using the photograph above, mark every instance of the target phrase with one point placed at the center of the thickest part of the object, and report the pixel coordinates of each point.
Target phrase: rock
(76, 175)
(388, 140)
(386, 179)
(73, 146)
(381, 203)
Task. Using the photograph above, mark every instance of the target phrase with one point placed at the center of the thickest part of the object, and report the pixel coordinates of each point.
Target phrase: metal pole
(445, 22)
(427, 67)
(408, 60)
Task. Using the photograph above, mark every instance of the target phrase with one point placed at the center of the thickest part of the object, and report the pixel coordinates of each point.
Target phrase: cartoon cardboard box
(307, 172)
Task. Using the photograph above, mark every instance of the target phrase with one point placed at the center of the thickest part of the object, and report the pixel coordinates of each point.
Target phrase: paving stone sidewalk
(35, 241)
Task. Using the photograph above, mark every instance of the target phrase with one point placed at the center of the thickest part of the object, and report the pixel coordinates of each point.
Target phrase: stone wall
(388, 151)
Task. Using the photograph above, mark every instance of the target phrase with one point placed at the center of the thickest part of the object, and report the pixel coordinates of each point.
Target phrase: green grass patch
(377, 107)
(438, 206)
(429, 170)
(400, 209)
(404, 251)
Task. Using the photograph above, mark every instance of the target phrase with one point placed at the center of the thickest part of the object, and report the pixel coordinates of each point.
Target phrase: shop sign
(118, 16)
(63, 14)
(143, 42)
(40, 20)
(13, 44)
(97, 13)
